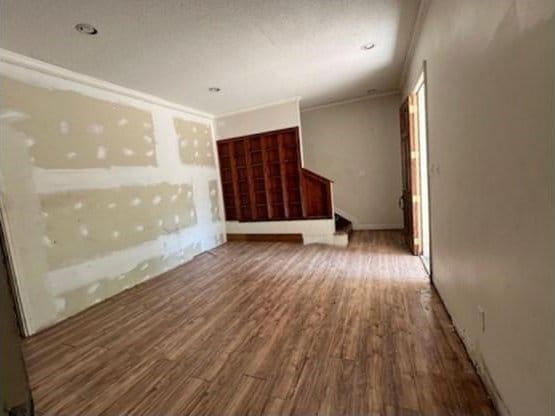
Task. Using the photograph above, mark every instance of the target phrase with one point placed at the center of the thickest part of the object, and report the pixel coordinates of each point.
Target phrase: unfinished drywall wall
(100, 190)
(81, 224)
(73, 138)
(490, 94)
(357, 145)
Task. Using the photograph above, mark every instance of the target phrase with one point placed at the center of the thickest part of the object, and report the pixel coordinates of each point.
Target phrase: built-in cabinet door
(276, 203)
(289, 157)
(409, 201)
(228, 183)
(261, 176)
(242, 181)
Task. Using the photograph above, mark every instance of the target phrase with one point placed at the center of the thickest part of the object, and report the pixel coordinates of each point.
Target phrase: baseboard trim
(377, 226)
(291, 238)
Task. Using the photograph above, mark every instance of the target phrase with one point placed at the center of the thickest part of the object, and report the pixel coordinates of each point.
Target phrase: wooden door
(410, 198)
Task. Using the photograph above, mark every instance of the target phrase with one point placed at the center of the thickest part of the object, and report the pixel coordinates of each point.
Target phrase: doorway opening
(415, 198)
(421, 131)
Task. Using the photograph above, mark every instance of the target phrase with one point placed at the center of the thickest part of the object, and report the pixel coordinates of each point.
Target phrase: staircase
(268, 193)
(343, 229)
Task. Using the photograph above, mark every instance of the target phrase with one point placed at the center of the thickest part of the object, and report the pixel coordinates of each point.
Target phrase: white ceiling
(256, 51)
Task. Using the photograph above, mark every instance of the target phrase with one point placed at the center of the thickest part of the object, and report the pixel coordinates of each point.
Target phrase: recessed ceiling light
(214, 89)
(86, 29)
(367, 46)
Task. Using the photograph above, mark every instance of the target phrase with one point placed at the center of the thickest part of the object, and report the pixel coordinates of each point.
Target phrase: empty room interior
(291, 207)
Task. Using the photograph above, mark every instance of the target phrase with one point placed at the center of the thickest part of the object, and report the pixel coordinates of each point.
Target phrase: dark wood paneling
(263, 179)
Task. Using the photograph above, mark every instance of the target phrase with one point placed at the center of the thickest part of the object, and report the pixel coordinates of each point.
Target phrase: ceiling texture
(257, 52)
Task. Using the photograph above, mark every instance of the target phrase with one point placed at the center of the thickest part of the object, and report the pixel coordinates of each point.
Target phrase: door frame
(410, 163)
(422, 82)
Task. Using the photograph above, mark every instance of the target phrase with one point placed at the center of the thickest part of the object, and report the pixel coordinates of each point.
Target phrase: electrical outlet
(482, 316)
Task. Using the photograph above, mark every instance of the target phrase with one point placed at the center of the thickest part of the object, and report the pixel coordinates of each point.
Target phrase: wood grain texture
(264, 328)
(316, 195)
(263, 179)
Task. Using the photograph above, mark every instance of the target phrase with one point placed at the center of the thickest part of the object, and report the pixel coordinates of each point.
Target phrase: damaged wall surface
(100, 190)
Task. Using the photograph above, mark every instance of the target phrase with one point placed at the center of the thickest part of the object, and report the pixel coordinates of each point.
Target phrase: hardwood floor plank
(270, 328)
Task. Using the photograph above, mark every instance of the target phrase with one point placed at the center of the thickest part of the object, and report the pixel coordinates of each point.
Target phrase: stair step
(342, 225)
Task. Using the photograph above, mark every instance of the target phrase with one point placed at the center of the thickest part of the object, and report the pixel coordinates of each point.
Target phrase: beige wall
(490, 68)
(357, 145)
(100, 190)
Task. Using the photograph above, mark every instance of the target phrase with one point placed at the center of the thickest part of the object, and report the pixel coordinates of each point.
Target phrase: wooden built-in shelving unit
(263, 179)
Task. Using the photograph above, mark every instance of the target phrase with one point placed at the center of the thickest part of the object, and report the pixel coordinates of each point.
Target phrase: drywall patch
(195, 142)
(78, 299)
(80, 225)
(214, 200)
(70, 130)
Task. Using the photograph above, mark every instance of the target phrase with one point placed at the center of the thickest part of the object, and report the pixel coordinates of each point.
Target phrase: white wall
(311, 230)
(490, 69)
(101, 187)
(276, 116)
(257, 120)
(357, 145)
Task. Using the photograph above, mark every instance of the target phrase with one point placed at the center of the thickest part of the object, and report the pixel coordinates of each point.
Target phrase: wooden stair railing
(317, 202)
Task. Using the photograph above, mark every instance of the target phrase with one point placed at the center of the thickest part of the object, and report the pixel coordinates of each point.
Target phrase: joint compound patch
(60, 121)
(192, 136)
(85, 224)
(214, 200)
(75, 300)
